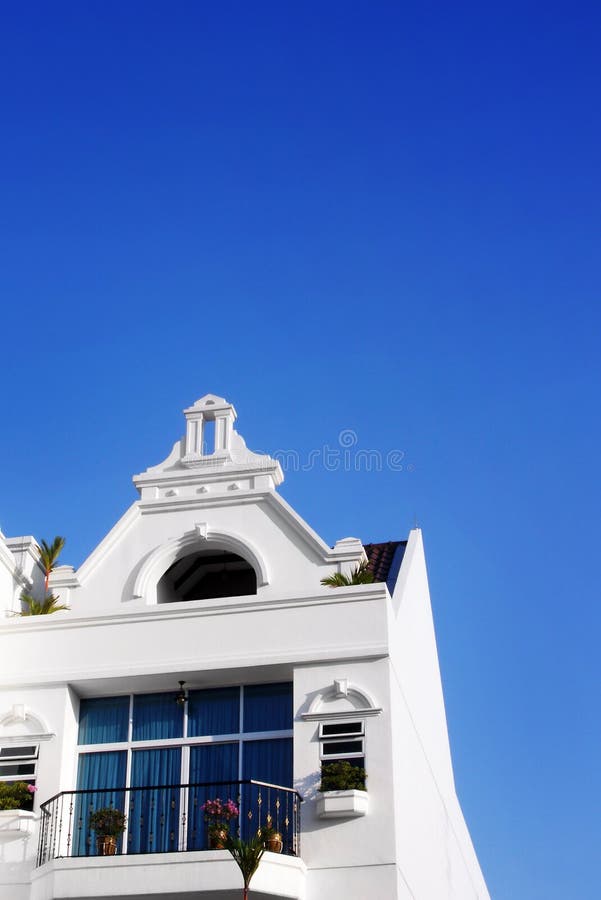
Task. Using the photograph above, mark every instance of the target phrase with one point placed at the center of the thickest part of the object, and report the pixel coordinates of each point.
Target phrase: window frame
(342, 737)
(185, 741)
(20, 759)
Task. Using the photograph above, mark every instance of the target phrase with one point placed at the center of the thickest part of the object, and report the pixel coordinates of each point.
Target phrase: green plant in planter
(43, 607)
(107, 822)
(360, 575)
(16, 795)
(342, 776)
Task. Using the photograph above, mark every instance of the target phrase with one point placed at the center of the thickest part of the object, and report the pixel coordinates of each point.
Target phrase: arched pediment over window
(199, 565)
(341, 699)
(19, 723)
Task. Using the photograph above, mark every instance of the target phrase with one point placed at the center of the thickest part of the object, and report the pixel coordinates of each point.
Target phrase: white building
(211, 579)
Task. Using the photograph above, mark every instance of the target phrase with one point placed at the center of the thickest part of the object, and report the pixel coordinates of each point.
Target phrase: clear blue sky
(381, 217)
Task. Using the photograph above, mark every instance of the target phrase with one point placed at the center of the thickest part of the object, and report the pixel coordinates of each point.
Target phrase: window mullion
(240, 742)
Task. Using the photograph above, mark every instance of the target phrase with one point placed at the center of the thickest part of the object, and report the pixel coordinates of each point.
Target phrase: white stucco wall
(434, 849)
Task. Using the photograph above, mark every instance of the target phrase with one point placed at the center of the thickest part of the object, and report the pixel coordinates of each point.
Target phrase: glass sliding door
(154, 809)
(140, 752)
(269, 761)
(210, 763)
(99, 773)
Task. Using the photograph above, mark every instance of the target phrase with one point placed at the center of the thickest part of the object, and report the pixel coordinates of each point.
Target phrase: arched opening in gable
(205, 575)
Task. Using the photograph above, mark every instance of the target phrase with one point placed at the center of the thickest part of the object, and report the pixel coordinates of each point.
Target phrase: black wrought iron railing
(169, 818)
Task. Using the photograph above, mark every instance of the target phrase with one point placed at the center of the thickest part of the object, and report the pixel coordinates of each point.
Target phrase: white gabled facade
(143, 616)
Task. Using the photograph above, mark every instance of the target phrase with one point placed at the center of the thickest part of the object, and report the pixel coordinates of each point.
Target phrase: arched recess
(201, 540)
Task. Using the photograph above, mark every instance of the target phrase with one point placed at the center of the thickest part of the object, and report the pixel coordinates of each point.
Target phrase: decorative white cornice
(212, 474)
(25, 553)
(343, 714)
(64, 578)
(313, 655)
(34, 736)
(193, 609)
(7, 560)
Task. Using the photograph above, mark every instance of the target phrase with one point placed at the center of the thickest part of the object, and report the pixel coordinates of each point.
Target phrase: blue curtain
(101, 773)
(103, 720)
(269, 761)
(215, 711)
(157, 716)
(267, 707)
(154, 810)
(210, 763)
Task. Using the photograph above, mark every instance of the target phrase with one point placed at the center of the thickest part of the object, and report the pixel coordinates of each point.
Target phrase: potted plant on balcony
(218, 815)
(343, 793)
(272, 839)
(108, 823)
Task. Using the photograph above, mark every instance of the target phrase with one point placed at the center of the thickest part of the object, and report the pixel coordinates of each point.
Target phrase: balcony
(167, 849)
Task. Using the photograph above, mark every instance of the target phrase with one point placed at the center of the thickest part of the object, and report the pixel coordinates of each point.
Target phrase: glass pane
(214, 711)
(18, 769)
(341, 728)
(154, 821)
(215, 768)
(270, 762)
(157, 716)
(268, 707)
(332, 748)
(103, 720)
(102, 777)
(21, 752)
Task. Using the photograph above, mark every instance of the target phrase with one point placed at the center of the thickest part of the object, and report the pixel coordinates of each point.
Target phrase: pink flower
(31, 788)
(219, 809)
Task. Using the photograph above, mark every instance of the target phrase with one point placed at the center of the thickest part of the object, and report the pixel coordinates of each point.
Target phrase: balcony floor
(196, 875)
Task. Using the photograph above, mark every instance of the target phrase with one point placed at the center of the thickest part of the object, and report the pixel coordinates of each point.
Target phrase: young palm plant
(49, 554)
(360, 575)
(43, 607)
(248, 855)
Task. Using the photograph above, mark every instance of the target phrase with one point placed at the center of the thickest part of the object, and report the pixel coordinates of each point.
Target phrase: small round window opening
(205, 575)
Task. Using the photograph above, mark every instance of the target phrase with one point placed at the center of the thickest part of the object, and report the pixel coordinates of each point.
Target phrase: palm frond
(360, 575)
(49, 554)
(44, 607)
(247, 854)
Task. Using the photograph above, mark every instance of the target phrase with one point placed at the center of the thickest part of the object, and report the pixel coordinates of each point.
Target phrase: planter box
(342, 804)
(15, 823)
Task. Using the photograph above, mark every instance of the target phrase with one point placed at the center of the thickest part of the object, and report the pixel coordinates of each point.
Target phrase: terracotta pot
(217, 839)
(106, 845)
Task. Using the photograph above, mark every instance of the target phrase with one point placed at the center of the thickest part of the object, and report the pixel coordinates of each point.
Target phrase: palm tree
(248, 855)
(49, 554)
(44, 607)
(360, 575)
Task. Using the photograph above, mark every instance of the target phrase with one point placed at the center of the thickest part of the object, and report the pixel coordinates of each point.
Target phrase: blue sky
(376, 217)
